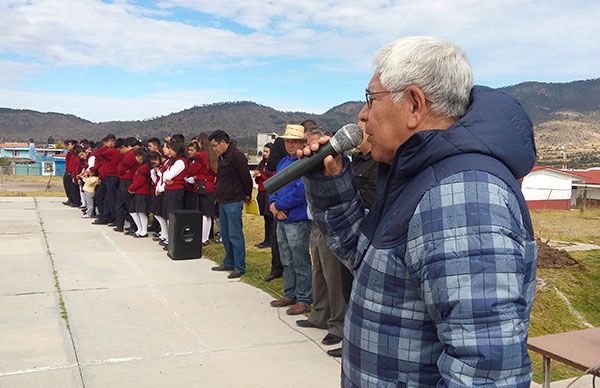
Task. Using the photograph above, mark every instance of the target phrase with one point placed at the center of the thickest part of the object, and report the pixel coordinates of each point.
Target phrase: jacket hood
(495, 125)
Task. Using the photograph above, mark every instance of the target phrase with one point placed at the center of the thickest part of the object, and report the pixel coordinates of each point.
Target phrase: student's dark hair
(70, 142)
(194, 145)
(154, 140)
(77, 149)
(120, 143)
(178, 147)
(150, 156)
(269, 146)
(110, 136)
(309, 124)
(131, 141)
(178, 137)
(219, 136)
(140, 152)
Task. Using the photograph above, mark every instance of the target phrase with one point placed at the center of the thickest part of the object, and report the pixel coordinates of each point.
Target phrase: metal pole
(546, 371)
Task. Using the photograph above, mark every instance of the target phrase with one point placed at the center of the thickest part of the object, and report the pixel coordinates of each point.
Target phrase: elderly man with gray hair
(444, 262)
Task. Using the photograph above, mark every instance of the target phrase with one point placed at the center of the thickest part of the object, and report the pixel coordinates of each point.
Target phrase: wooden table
(578, 349)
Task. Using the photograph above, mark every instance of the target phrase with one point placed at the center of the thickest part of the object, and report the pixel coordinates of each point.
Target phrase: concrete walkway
(135, 318)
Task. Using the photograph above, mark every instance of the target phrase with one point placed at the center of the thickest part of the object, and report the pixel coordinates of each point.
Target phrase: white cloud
(89, 32)
(505, 39)
(13, 71)
(109, 108)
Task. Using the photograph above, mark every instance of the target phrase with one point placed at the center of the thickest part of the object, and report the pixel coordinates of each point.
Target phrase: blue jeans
(293, 239)
(232, 234)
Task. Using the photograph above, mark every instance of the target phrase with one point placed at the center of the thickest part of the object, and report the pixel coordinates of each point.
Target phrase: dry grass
(575, 225)
(32, 178)
(32, 194)
(31, 186)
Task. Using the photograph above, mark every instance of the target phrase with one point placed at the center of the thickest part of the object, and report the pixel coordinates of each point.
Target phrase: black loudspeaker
(185, 234)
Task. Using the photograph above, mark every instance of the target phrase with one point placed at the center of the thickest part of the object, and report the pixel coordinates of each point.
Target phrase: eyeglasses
(369, 93)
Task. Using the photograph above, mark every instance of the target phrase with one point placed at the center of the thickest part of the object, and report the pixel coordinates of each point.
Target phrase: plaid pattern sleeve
(337, 208)
(468, 250)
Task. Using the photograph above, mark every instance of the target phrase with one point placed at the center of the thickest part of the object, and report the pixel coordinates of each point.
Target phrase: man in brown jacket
(234, 187)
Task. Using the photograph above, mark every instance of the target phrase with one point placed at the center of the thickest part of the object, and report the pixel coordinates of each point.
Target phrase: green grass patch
(550, 314)
(258, 261)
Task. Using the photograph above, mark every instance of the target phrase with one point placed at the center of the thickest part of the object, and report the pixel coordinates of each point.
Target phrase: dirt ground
(549, 257)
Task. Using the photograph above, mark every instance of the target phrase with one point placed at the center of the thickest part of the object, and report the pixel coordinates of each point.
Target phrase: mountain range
(564, 114)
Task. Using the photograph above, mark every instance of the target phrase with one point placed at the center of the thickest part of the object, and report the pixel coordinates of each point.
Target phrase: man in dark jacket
(234, 187)
(444, 262)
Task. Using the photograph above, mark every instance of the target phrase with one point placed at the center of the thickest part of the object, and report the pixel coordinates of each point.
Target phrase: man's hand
(169, 182)
(131, 192)
(281, 215)
(273, 209)
(333, 164)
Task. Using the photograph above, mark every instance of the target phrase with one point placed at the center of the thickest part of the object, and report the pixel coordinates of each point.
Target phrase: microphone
(346, 138)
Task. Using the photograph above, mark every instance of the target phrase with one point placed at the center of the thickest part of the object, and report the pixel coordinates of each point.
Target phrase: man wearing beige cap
(288, 206)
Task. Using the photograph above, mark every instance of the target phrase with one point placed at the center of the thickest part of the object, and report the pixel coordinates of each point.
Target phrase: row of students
(121, 180)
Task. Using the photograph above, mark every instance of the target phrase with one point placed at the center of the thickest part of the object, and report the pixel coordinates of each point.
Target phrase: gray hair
(438, 67)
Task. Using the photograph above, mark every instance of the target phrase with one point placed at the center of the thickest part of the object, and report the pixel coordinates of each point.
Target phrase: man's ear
(416, 107)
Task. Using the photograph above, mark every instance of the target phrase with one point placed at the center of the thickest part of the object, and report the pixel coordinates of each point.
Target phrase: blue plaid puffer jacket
(445, 261)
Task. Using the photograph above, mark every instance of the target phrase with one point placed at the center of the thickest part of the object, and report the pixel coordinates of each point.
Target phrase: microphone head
(348, 137)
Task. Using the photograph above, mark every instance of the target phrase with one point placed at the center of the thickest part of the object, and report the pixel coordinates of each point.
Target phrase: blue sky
(127, 59)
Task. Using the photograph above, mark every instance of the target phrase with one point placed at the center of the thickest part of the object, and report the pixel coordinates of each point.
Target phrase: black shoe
(331, 339)
(205, 243)
(111, 224)
(140, 236)
(335, 352)
(166, 248)
(132, 233)
(67, 203)
(222, 268)
(306, 323)
(100, 222)
(163, 243)
(156, 238)
(272, 276)
(234, 274)
(117, 229)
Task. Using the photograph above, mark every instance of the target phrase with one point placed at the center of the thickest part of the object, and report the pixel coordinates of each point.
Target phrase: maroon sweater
(128, 166)
(109, 159)
(142, 183)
